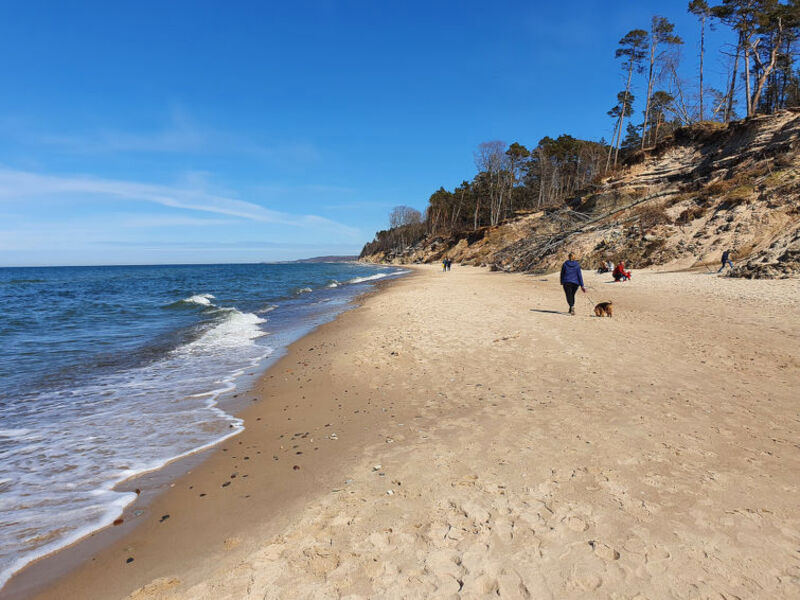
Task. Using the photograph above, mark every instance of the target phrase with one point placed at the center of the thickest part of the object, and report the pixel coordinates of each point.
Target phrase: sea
(109, 372)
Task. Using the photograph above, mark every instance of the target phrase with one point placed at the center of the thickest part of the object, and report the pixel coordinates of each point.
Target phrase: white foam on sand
(59, 467)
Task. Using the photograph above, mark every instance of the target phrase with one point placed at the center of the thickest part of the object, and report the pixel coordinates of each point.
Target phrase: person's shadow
(549, 312)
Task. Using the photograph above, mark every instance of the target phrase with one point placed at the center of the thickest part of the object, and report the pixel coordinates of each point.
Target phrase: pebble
(130, 560)
(390, 492)
(376, 468)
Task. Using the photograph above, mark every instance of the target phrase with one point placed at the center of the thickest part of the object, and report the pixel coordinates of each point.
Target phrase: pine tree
(702, 11)
(632, 50)
(660, 34)
(623, 108)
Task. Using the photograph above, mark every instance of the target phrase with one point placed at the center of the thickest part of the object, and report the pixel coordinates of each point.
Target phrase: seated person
(620, 274)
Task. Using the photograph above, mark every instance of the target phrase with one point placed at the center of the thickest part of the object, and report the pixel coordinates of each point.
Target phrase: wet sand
(459, 436)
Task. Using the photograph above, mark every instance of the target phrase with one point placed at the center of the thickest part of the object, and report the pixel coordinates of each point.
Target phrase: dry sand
(488, 445)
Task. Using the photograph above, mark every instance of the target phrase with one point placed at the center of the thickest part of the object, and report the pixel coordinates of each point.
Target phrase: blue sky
(194, 132)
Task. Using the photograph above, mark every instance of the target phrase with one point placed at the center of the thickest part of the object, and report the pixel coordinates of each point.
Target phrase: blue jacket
(571, 273)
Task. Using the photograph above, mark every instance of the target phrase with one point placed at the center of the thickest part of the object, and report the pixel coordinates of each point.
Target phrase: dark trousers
(569, 290)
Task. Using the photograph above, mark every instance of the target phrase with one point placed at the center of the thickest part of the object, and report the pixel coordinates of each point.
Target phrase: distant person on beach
(620, 274)
(444, 264)
(726, 260)
(571, 280)
(448, 263)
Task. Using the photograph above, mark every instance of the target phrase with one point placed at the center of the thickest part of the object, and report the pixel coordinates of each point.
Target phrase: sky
(224, 132)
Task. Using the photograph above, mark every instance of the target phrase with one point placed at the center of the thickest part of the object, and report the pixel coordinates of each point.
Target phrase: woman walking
(571, 279)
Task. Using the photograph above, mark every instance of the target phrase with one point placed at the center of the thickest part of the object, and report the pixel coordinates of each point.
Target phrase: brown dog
(604, 309)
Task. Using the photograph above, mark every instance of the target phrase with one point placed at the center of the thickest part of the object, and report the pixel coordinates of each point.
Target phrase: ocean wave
(140, 419)
(236, 328)
(369, 278)
(305, 290)
(266, 309)
(23, 281)
(333, 284)
(203, 300)
(14, 433)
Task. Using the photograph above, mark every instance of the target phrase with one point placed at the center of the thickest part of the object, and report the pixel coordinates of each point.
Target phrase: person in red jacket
(620, 274)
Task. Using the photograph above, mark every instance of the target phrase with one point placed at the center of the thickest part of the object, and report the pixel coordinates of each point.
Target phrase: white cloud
(15, 185)
(180, 135)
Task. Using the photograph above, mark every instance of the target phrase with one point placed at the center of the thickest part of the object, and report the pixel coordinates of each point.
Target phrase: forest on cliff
(514, 179)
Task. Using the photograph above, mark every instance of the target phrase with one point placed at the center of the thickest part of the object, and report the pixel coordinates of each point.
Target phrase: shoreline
(45, 573)
(488, 444)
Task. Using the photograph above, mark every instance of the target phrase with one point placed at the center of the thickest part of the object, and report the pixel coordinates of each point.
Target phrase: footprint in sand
(577, 524)
(604, 551)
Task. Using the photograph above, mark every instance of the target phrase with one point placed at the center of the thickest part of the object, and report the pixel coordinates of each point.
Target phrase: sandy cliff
(706, 188)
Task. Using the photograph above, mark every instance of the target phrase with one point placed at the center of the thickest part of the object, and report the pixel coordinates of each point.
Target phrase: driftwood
(531, 250)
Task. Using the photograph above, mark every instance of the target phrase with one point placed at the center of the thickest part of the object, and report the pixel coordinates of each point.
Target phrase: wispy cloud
(154, 221)
(181, 141)
(15, 185)
(179, 134)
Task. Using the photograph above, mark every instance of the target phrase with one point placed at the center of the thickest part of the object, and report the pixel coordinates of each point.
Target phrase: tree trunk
(729, 110)
(747, 77)
(622, 112)
(649, 87)
(766, 70)
(702, 54)
(658, 126)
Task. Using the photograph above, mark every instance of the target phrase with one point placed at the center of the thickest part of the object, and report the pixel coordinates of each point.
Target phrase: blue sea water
(107, 372)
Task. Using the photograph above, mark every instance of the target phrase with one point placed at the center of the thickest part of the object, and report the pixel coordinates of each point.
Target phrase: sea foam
(82, 442)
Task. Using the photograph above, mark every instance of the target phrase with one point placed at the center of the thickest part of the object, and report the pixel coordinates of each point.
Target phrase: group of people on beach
(446, 264)
(619, 272)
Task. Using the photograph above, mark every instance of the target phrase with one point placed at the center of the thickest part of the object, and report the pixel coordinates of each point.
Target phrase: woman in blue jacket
(571, 279)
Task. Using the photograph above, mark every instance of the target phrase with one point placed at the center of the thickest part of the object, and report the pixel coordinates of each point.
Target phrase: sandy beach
(459, 436)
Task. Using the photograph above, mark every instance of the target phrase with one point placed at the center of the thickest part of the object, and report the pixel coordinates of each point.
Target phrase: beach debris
(129, 560)
(138, 491)
(138, 513)
(348, 481)
(390, 492)
(163, 518)
(296, 467)
(118, 521)
(333, 436)
(226, 484)
(376, 468)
